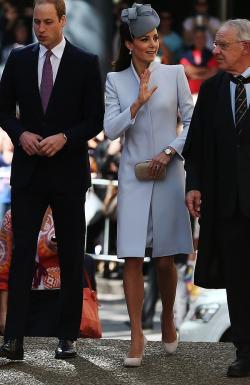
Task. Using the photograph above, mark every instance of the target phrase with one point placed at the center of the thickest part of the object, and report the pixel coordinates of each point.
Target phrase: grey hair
(242, 27)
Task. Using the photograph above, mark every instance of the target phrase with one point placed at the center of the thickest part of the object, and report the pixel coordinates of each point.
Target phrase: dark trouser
(233, 237)
(28, 208)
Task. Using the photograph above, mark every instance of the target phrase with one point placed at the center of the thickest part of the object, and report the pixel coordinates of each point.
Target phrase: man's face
(228, 50)
(47, 26)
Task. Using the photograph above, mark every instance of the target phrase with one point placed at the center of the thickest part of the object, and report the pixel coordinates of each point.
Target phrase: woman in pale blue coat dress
(142, 102)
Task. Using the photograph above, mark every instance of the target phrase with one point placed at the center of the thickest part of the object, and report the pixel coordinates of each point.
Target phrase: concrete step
(100, 362)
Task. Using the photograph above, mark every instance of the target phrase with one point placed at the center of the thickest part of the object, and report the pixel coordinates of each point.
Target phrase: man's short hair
(59, 6)
(242, 27)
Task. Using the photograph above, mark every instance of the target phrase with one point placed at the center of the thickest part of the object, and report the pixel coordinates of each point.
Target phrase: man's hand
(51, 145)
(30, 142)
(193, 202)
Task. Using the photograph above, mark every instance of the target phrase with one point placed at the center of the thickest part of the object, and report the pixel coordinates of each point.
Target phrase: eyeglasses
(225, 46)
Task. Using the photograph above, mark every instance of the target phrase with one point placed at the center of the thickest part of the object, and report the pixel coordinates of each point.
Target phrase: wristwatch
(65, 138)
(168, 151)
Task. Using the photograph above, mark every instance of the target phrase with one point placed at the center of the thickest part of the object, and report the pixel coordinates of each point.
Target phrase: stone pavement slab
(100, 362)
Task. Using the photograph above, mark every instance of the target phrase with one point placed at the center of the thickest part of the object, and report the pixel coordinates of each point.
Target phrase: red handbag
(90, 323)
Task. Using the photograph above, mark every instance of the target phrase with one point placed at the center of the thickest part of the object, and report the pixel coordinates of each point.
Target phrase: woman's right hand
(144, 93)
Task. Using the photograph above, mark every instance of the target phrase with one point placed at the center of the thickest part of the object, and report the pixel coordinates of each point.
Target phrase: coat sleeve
(115, 121)
(186, 106)
(8, 101)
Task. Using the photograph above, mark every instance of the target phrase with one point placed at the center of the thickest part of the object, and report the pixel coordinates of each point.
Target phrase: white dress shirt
(246, 73)
(55, 59)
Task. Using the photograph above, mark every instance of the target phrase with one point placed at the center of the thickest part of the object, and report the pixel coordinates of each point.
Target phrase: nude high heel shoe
(135, 361)
(171, 347)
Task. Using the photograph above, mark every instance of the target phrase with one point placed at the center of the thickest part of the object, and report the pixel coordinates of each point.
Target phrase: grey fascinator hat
(141, 19)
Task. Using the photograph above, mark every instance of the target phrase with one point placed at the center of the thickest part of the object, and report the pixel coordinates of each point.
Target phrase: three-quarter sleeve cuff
(118, 125)
(178, 148)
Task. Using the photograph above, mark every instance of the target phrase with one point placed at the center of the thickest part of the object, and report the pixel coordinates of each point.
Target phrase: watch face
(168, 151)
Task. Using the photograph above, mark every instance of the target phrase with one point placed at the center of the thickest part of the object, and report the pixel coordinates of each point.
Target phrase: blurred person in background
(169, 39)
(16, 27)
(8, 22)
(217, 162)
(117, 8)
(199, 62)
(105, 158)
(58, 89)
(150, 213)
(20, 38)
(90, 28)
(200, 18)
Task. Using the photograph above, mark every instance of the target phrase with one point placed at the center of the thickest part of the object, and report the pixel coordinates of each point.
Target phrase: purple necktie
(47, 81)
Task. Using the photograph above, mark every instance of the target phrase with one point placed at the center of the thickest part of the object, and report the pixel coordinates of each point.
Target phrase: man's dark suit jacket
(75, 108)
(217, 161)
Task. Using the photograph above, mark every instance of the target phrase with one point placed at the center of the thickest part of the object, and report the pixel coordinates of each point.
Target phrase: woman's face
(145, 48)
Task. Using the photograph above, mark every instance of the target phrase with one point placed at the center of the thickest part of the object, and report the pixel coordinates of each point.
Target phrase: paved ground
(101, 363)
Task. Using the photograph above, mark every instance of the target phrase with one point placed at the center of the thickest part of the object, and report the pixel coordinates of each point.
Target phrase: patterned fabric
(47, 81)
(47, 274)
(5, 250)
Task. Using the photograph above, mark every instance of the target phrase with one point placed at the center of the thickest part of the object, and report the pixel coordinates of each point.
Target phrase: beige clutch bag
(142, 172)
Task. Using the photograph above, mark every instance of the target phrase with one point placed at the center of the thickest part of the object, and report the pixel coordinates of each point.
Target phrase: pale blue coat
(153, 129)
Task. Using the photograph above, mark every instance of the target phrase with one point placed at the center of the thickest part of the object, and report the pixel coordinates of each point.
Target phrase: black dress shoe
(12, 349)
(65, 349)
(239, 368)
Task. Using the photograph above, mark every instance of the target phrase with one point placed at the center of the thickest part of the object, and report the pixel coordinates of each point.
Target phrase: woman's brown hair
(124, 58)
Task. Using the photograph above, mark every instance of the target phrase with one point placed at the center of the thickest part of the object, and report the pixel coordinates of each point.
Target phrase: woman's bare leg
(167, 282)
(134, 293)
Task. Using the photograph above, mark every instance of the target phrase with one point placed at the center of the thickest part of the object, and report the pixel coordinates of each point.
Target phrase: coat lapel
(224, 107)
(33, 73)
(59, 86)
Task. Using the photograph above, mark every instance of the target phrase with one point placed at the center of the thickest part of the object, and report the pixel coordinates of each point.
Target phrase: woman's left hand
(158, 163)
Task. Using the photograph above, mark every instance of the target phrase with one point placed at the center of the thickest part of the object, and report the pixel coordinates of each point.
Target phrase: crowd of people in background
(15, 26)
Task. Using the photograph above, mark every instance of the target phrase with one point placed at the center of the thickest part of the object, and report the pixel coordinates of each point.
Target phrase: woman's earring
(130, 52)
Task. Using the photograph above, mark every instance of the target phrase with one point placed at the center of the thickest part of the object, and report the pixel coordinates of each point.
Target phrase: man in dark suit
(217, 154)
(57, 88)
